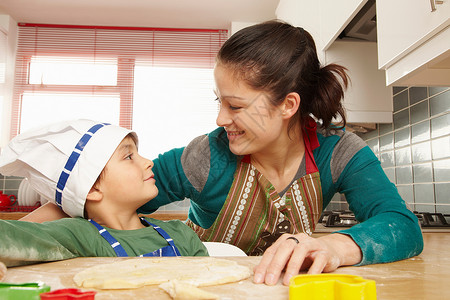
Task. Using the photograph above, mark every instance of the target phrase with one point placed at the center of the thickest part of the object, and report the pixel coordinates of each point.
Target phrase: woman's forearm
(47, 212)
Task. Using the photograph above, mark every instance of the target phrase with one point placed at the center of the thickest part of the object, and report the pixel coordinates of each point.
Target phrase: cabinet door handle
(434, 2)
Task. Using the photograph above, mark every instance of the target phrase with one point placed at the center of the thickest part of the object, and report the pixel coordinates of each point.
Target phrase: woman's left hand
(324, 254)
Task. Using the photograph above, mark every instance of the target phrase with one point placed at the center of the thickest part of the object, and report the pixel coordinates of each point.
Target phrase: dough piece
(137, 272)
(2, 271)
(183, 291)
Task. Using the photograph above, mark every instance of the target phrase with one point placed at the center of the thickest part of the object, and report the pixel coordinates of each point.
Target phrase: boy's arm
(25, 243)
(47, 212)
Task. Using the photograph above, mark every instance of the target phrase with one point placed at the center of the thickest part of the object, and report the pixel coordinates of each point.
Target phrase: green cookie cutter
(22, 291)
(332, 287)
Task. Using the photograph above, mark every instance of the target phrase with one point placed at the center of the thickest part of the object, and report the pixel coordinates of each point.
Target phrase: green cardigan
(203, 172)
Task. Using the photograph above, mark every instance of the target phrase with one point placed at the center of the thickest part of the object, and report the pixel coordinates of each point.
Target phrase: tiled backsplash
(414, 151)
(10, 185)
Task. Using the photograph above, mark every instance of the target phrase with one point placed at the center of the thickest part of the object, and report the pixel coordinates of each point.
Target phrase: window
(157, 82)
(63, 88)
(172, 106)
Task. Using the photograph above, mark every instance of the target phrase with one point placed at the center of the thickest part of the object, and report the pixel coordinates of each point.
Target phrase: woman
(262, 179)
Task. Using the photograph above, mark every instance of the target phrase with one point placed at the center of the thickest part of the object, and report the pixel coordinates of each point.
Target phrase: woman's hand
(324, 254)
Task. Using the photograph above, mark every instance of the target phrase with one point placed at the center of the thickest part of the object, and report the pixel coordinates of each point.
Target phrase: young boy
(91, 170)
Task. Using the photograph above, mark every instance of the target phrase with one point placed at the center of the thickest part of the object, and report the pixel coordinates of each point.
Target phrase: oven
(340, 219)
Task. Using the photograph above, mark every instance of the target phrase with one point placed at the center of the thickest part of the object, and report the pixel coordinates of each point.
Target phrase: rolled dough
(182, 291)
(136, 272)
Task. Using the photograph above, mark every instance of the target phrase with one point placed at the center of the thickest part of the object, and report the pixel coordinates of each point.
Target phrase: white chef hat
(62, 161)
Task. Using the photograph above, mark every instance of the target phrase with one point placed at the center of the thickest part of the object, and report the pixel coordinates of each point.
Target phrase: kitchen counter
(423, 277)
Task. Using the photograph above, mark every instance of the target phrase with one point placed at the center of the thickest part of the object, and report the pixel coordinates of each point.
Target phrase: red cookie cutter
(68, 294)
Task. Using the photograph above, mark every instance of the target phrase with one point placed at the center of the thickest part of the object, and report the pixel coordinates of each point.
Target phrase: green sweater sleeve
(26, 243)
(388, 231)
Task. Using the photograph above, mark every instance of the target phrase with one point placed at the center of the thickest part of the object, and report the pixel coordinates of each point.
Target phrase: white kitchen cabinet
(414, 41)
(334, 17)
(324, 19)
(367, 99)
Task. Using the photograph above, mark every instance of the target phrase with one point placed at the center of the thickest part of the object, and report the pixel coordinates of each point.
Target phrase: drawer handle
(433, 4)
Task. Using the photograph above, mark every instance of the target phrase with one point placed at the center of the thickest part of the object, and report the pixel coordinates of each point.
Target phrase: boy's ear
(94, 195)
(290, 105)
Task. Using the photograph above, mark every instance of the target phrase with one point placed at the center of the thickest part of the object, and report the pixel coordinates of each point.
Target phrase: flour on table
(137, 272)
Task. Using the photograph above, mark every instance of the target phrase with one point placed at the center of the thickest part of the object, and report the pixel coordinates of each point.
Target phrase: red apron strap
(311, 143)
(247, 159)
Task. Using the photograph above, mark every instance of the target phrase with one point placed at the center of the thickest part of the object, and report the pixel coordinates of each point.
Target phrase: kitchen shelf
(12, 215)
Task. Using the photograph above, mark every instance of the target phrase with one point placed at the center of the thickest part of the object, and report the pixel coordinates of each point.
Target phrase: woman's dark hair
(279, 58)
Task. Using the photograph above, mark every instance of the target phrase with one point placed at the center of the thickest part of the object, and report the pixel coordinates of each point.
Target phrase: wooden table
(426, 276)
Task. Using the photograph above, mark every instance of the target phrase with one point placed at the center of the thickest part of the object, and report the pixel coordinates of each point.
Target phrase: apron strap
(165, 235)
(164, 251)
(117, 247)
(311, 143)
(170, 250)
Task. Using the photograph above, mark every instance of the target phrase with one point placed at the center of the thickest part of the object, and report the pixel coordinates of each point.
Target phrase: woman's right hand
(47, 212)
(295, 253)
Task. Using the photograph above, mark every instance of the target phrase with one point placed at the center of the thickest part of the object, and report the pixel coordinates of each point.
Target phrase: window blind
(49, 57)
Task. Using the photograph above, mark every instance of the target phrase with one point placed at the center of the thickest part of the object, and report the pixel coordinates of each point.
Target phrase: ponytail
(332, 80)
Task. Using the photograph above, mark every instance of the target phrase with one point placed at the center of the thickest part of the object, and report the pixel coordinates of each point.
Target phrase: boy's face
(128, 178)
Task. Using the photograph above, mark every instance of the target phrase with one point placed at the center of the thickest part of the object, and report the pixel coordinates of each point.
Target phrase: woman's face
(252, 123)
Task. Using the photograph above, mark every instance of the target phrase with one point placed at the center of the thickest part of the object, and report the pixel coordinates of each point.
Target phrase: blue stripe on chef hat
(72, 160)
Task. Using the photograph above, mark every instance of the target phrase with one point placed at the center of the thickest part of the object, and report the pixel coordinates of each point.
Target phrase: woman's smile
(234, 134)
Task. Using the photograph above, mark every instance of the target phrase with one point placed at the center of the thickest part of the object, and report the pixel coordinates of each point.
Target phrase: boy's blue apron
(170, 250)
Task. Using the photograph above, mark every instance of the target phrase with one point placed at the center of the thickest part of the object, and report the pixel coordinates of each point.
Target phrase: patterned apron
(169, 250)
(254, 215)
